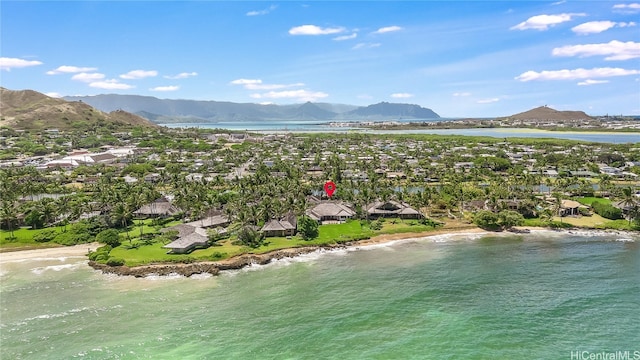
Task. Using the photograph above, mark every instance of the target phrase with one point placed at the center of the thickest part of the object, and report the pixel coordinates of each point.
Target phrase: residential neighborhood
(208, 185)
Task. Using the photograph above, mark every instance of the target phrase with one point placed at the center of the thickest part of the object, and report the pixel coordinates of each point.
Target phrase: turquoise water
(538, 296)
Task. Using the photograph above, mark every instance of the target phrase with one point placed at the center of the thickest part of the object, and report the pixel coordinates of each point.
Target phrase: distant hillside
(27, 109)
(183, 111)
(548, 114)
(390, 110)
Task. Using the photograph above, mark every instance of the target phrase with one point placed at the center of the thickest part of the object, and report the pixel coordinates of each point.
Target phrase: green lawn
(23, 238)
(327, 234)
(589, 200)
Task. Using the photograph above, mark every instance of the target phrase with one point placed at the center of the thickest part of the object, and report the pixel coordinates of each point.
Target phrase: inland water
(544, 295)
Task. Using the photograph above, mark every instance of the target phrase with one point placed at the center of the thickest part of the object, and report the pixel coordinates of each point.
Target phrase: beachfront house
(326, 212)
(286, 226)
(158, 208)
(392, 209)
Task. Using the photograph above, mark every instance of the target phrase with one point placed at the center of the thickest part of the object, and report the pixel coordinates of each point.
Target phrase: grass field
(590, 200)
(327, 234)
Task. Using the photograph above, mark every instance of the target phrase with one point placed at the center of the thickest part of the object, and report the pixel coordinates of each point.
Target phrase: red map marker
(329, 188)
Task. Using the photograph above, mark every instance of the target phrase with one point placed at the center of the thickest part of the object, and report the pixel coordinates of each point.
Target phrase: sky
(458, 58)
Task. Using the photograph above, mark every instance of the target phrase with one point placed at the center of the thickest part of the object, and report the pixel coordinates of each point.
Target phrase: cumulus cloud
(10, 63)
(53, 94)
(111, 84)
(592, 82)
(182, 75)
(87, 77)
(387, 29)
(314, 30)
(627, 8)
(544, 22)
(401, 95)
(262, 12)
(575, 74)
(594, 27)
(366, 46)
(488, 101)
(165, 88)
(345, 37)
(66, 69)
(139, 74)
(461, 94)
(256, 84)
(299, 95)
(613, 50)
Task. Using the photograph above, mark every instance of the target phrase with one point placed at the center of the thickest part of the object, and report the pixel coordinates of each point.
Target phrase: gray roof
(330, 208)
(391, 207)
(210, 221)
(197, 238)
(161, 206)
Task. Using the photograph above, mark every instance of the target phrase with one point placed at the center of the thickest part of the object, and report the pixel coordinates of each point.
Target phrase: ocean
(544, 295)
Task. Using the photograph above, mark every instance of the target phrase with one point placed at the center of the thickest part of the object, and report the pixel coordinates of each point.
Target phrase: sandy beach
(56, 252)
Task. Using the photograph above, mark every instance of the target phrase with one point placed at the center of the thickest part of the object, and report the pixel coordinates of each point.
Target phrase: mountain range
(195, 111)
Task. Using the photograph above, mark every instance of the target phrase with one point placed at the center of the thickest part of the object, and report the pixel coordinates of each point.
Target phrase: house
(392, 209)
(331, 211)
(287, 226)
(211, 221)
(158, 208)
(569, 207)
(192, 238)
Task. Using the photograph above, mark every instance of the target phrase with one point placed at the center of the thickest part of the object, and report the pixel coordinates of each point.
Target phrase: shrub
(77, 234)
(110, 237)
(101, 254)
(607, 211)
(112, 261)
(45, 235)
(377, 225)
(218, 255)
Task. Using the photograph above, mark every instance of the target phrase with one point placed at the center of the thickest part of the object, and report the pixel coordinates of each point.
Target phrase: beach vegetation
(308, 228)
(109, 237)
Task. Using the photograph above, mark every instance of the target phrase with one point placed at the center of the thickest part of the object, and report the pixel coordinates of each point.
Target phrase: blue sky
(459, 58)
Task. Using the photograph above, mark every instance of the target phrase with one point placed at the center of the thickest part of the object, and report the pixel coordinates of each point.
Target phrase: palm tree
(629, 201)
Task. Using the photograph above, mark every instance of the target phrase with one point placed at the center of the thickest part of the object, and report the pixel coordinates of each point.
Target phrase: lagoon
(314, 126)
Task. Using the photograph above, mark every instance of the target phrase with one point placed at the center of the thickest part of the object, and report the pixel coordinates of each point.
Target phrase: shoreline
(248, 259)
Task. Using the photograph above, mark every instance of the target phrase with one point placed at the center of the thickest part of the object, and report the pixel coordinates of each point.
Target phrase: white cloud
(314, 30)
(401, 95)
(87, 77)
(10, 63)
(592, 82)
(262, 12)
(488, 101)
(613, 50)
(246, 81)
(139, 74)
(594, 27)
(345, 37)
(627, 8)
(461, 94)
(299, 95)
(111, 84)
(182, 75)
(256, 84)
(575, 74)
(165, 88)
(53, 94)
(387, 29)
(366, 46)
(559, 2)
(66, 69)
(544, 22)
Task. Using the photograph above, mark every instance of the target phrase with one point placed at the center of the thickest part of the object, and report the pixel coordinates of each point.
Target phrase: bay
(540, 295)
(315, 127)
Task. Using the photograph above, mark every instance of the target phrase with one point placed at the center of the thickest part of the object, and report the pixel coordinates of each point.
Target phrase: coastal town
(193, 194)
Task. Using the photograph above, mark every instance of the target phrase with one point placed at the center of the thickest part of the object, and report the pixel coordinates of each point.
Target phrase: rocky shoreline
(208, 267)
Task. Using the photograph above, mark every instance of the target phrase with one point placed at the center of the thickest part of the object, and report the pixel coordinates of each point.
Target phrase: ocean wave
(42, 269)
(40, 259)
